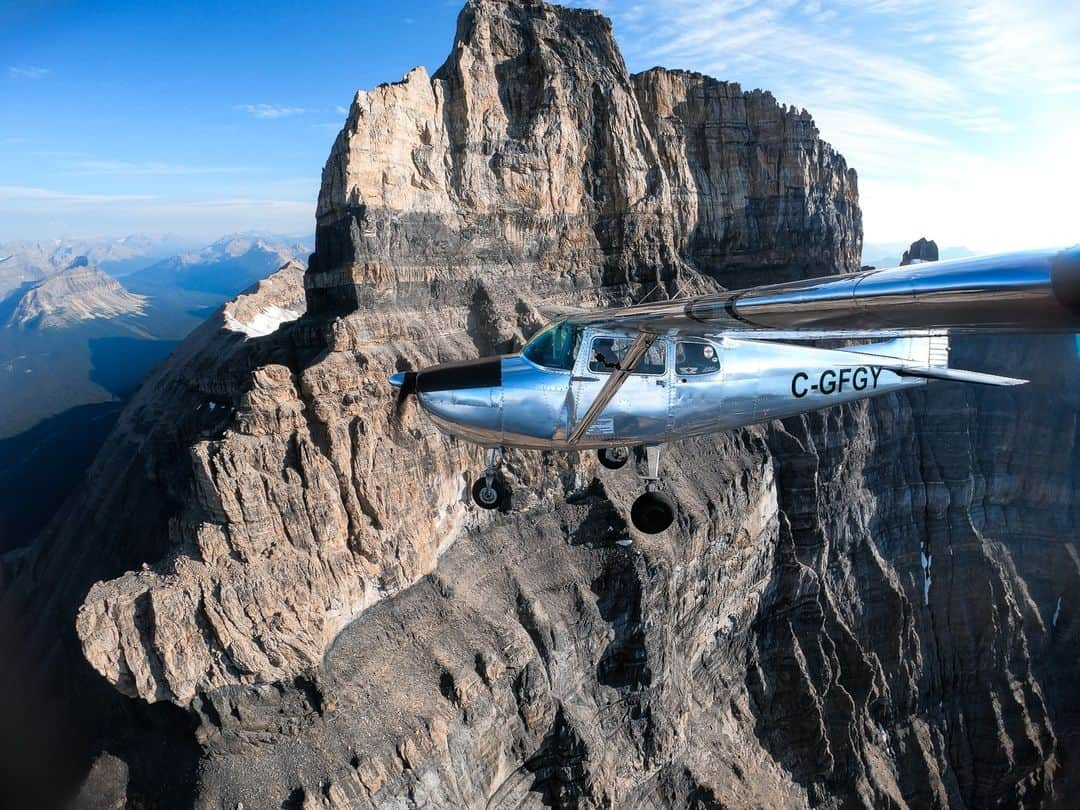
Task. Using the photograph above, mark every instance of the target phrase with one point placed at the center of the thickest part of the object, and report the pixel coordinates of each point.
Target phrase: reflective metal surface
(1035, 291)
(1021, 291)
(598, 384)
(757, 381)
(640, 407)
(538, 399)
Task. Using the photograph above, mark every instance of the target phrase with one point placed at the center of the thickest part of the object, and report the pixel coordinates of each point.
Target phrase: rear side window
(607, 354)
(692, 357)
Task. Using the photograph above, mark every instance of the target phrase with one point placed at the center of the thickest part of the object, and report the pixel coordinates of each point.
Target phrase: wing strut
(636, 351)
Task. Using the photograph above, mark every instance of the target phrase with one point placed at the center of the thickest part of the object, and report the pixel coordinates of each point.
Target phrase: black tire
(497, 497)
(609, 457)
(652, 513)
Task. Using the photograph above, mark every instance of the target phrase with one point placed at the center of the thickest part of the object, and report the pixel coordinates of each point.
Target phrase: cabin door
(641, 410)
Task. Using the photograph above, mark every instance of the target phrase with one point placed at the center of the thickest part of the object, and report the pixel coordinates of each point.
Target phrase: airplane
(612, 380)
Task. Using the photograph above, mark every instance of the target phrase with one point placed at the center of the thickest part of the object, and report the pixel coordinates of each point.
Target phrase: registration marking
(836, 381)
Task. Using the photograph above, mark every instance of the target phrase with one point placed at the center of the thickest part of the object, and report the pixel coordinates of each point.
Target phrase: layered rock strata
(867, 606)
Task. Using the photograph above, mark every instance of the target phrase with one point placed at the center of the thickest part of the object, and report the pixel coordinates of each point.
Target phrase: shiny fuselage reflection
(685, 387)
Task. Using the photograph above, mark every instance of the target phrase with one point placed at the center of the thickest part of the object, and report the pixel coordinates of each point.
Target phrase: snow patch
(1057, 613)
(265, 322)
(927, 560)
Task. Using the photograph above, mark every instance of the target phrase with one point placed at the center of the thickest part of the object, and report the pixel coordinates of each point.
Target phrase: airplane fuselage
(512, 401)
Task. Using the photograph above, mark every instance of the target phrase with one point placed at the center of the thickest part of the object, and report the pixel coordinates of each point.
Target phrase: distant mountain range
(78, 293)
(219, 268)
(78, 333)
(31, 261)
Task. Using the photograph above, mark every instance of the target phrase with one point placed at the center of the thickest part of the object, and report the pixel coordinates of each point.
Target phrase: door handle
(661, 383)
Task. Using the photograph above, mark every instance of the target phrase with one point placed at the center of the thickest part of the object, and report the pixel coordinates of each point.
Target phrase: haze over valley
(81, 325)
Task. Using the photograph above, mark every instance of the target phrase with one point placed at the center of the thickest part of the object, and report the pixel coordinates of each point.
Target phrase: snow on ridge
(265, 322)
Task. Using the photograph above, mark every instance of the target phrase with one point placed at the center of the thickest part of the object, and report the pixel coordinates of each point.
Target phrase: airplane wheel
(491, 497)
(652, 512)
(613, 458)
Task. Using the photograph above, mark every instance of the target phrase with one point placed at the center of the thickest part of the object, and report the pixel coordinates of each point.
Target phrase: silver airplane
(638, 377)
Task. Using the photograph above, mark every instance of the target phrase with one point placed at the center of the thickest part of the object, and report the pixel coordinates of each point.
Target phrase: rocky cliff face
(921, 250)
(78, 293)
(866, 606)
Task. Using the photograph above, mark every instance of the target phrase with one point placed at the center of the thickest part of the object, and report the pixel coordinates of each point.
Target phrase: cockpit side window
(554, 347)
(693, 357)
(608, 352)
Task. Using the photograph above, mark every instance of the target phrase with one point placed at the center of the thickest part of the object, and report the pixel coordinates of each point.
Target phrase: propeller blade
(405, 383)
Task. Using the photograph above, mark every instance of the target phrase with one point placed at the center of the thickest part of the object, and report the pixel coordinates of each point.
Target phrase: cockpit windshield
(554, 347)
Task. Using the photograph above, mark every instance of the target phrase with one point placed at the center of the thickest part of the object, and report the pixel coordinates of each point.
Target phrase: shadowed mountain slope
(267, 570)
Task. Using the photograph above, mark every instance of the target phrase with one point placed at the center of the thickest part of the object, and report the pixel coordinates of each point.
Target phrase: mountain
(890, 254)
(75, 345)
(79, 293)
(272, 591)
(228, 265)
(28, 261)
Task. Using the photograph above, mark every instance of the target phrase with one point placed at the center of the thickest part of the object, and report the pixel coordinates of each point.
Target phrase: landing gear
(613, 458)
(490, 490)
(654, 511)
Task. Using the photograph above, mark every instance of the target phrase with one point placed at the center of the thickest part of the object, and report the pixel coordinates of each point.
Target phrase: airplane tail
(932, 352)
(926, 357)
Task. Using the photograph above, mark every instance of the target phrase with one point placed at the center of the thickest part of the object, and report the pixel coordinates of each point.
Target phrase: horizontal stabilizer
(955, 375)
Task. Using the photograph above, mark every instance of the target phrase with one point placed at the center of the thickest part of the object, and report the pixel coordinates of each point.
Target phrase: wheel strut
(490, 490)
(654, 511)
(652, 467)
(494, 458)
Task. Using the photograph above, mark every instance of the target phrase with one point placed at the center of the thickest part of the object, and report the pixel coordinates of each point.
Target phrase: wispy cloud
(270, 110)
(151, 168)
(30, 193)
(27, 72)
(35, 213)
(1007, 46)
(929, 99)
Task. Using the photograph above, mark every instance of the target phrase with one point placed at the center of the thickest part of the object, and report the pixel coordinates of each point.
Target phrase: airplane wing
(1030, 292)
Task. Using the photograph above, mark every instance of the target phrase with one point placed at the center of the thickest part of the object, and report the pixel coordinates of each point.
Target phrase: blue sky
(960, 117)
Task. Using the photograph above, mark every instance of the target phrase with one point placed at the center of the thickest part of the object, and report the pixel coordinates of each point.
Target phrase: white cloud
(27, 72)
(270, 110)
